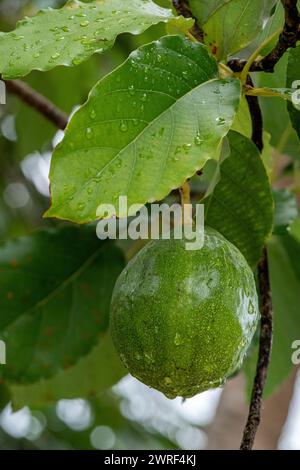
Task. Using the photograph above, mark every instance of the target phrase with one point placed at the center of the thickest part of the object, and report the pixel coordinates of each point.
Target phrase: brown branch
(183, 9)
(266, 326)
(256, 117)
(288, 38)
(38, 102)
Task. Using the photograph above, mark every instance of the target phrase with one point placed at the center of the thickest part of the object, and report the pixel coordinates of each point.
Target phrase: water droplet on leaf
(89, 133)
(123, 126)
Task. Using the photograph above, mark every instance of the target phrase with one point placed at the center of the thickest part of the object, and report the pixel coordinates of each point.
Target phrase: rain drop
(76, 61)
(93, 114)
(84, 23)
(187, 147)
(81, 206)
(55, 55)
(177, 340)
(131, 90)
(198, 139)
(89, 133)
(123, 127)
(90, 190)
(221, 121)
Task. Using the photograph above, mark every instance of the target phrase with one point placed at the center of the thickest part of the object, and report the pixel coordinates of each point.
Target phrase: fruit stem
(187, 209)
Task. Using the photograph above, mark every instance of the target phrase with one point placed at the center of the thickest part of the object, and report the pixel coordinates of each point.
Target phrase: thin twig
(288, 38)
(265, 345)
(266, 326)
(182, 7)
(37, 101)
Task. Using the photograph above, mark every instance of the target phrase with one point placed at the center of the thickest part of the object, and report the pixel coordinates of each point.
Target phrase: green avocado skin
(182, 320)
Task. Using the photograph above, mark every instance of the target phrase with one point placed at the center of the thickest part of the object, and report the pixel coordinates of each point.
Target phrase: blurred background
(130, 415)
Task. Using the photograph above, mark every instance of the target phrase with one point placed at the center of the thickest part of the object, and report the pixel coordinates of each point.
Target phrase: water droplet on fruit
(251, 308)
(168, 381)
(177, 340)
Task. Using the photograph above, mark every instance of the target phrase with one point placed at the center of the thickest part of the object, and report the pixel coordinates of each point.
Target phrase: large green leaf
(72, 34)
(284, 265)
(235, 24)
(293, 75)
(146, 127)
(55, 295)
(241, 206)
(93, 374)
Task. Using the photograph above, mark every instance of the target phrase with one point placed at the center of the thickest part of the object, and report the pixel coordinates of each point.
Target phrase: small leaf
(292, 78)
(179, 25)
(274, 23)
(146, 127)
(235, 24)
(286, 210)
(55, 296)
(275, 114)
(70, 35)
(241, 206)
(98, 371)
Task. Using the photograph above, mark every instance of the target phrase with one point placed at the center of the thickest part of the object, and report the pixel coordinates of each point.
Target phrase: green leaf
(93, 374)
(146, 127)
(293, 76)
(241, 205)
(284, 266)
(286, 210)
(274, 23)
(275, 114)
(242, 122)
(235, 24)
(203, 9)
(72, 34)
(55, 296)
